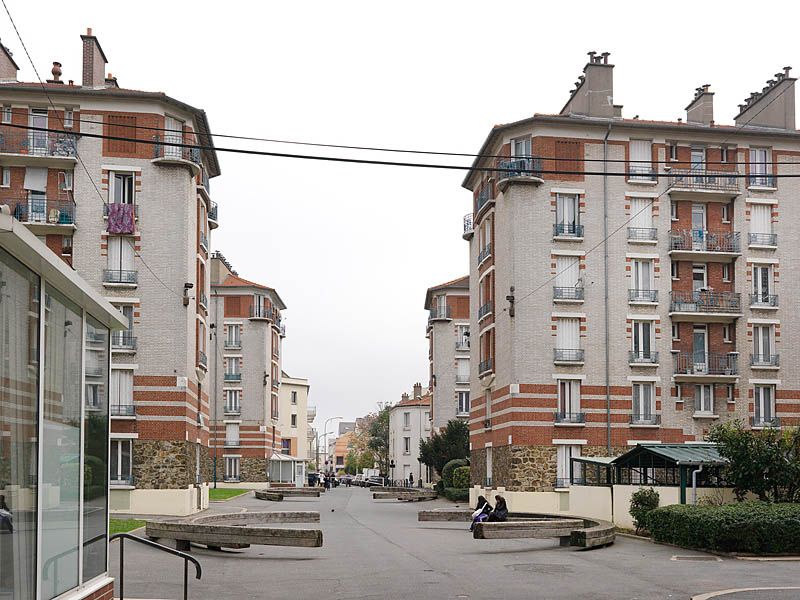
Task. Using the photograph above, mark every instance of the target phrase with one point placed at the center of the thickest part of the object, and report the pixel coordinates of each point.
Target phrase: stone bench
(445, 514)
(267, 495)
(238, 530)
(279, 495)
(404, 496)
(572, 531)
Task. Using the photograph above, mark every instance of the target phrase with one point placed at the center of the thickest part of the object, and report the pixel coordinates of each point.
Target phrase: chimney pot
(786, 70)
(605, 56)
(56, 70)
(71, 82)
(88, 31)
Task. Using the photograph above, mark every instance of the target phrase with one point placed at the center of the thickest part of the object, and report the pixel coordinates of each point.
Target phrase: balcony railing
(37, 143)
(645, 419)
(643, 295)
(163, 148)
(233, 344)
(764, 300)
(642, 234)
(203, 299)
(468, 223)
(766, 421)
(203, 240)
(121, 277)
(485, 310)
(568, 293)
(231, 443)
(438, 313)
(702, 179)
(518, 166)
(569, 417)
(701, 240)
(765, 360)
(124, 340)
(568, 355)
(126, 480)
(213, 212)
(233, 377)
(485, 253)
(45, 211)
(462, 377)
(122, 410)
(202, 359)
(567, 230)
(484, 197)
(641, 172)
(643, 357)
(260, 312)
(762, 180)
(462, 344)
(232, 409)
(763, 239)
(485, 366)
(702, 363)
(705, 302)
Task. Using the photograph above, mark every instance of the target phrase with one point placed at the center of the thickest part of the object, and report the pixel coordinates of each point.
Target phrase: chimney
(403, 397)
(8, 66)
(111, 81)
(94, 62)
(593, 95)
(417, 390)
(701, 108)
(56, 71)
(773, 106)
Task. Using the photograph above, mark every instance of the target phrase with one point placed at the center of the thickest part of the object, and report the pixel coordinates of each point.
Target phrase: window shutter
(122, 126)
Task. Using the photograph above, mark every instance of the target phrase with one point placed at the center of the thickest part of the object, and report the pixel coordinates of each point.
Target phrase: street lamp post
(325, 435)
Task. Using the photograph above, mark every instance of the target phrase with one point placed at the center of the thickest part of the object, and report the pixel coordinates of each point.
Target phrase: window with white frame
(764, 397)
(231, 434)
(763, 345)
(234, 365)
(729, 393)
(726, 272)
(462, 337)
(6, 114)
(569, 399)
(642, 337)
(121, 391)
(673, 151)
(69, 117)
(643, 402)
(673, 211)
(122, 188)
(462, 370)
(760, 167)
(726, 213)
(173, 134)
(641, 222)
(568, 215)
(762, 284)
(521, 147)
(568, 278)
(568, 339)
(406, 420)
(674, 270)
(642, 279)
(564, 455)
(726, 333)
(463, 403)
(760, 223)
(723, 154)
(120, 255)
(704, 398)
(232, 468)
(676, 332)
(234, 333)
(233, 401)
(406, 445)
(641, 159)
(121, 467)
(94, 398)
(6, 176)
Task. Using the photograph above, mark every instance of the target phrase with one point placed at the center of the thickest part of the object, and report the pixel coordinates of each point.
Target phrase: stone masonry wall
(164, 464)
(252, 469)
(533, 469)
(477, 469)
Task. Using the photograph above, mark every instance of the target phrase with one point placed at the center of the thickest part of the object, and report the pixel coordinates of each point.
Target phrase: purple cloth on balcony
(120, 218)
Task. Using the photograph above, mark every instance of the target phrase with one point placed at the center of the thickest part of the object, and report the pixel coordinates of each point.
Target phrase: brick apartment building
(673, 323)
(448, 350)
(246, 370)
(133, 218)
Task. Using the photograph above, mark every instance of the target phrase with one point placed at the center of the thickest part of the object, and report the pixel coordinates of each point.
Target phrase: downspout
(605, 290)
(694, 484)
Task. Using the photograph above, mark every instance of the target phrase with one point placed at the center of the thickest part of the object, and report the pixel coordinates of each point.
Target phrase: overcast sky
(352, 248)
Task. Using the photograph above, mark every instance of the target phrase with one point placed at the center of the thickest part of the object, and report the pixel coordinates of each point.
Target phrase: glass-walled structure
(54, 423)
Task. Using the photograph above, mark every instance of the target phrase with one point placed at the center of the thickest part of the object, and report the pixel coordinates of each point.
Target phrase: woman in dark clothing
(500, 512)
(481, 512)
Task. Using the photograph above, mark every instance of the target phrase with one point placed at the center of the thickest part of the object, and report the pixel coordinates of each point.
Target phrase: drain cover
(697, 558)
(540, 568)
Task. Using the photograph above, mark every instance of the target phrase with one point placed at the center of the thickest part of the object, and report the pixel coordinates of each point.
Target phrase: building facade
(448, 336)
(246, 375)
(409, 423)
(98, 173)
(55, 334)
(625, 278)
(294, 416)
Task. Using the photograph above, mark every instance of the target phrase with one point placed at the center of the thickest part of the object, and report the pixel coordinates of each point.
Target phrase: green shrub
(439, 487)
(750, 527)
(461, 477)
(447, 470)
(643, 502)
(456, 494)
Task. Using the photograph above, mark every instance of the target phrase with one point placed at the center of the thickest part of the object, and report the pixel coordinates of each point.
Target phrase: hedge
(461, 477)
(457, 494)
(749, 527)
(452, 465)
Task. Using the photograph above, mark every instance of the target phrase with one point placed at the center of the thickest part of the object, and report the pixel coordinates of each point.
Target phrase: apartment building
(131, 213)
(246, 370)
(626, 281)
(294, 416)
(409, 423)
(448, 350)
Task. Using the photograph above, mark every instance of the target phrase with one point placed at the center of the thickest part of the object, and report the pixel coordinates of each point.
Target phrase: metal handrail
(635, 295)
(762, 299)
(645, 234)
(47, 211)
(186, 560)
(568, 354)
(574, 292)
(518, 166)
(174, 146)
(763, 239)
(468, 223)
(484, 197)
(703, 240)
(705, 302)
(485, 253)
(703, 179)
(567, 230)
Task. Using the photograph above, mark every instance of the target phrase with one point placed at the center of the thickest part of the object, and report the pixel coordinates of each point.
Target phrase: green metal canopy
(672, 455)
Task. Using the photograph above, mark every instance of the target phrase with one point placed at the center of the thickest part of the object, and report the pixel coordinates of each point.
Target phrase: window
(121, 463)
(762, 344)
(38, 138)
(760, 167)
(427, 420)
(37, 207)
(120, 257)
(723, 154)
(676, 332)
(729, 393)
(485, 237)
(123, 338)
(122, 188)
(568, 339)
(564, 454)
(406, 445)
(642, 340)
(704, 398)
(173, 135)
(673, 151)
(294, 397)
(463, 403)
(764, 396)
(294, 421)
(643, 403)
(462, 370)
(762, 284)
(642, 280)
(94, 398)
(674, 270)
(568, 215)
(760, 220)
(232, 401)
(641, 215)
(65, 181)
(69, 116)
(726, 333)
(568, 280)
(406, 420)
(6, 175)
(6, 114)
(462, 337)
(521, 147)
(698, 159)
(569, 399)
(121, 392)
(234, 335)
(673, 211)
(232, 468)
(234, 365)
(726, 213)
(231, 434)
(641, 159)
(699, 277)
(726, 272)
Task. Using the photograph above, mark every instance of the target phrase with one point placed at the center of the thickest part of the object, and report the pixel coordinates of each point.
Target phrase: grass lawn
(124, 525)
(219, 494)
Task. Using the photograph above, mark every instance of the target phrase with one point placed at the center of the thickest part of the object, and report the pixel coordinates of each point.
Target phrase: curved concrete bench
(267, 495)
(572, 531)
(408, 496)
(278, 495)
(238, 530)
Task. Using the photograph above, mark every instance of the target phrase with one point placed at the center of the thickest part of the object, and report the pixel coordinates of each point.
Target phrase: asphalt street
(377, 549)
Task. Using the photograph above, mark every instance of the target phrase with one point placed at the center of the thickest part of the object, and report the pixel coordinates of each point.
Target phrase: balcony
(642, 235)
(702, 184)
(643, 358)
(439, 313)
(569, 418)
(462, 345)
(705, 306)
(233, 409)
(568, 356)
(759, 422)
(568, 294)
(202, 359)
(763, 301)
(121, 480)
(122, 278)
(645, 420)
(232, 377)
(485, 310)
(213, 215)
(123, 410)
(123, 340)
(203, 238)
(462, 377)
(45, 148)
(643, 296)
(233, 344)
(44, 215)
(568, 231)
(765, 361)
(260, 312)
(763, 240)
(485, 199)
(762, 181)
(642, 173)
(468, 227)
(485, 253)
(690, 366)
(703, 245)
(485, 366)
(166, 153)
(519, 169)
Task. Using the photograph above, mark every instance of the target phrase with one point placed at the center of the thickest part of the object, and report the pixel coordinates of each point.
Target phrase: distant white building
(409, 422)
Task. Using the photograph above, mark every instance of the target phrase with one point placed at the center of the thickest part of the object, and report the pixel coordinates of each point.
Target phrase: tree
(377, 430)
(765, 463)
(451, 442)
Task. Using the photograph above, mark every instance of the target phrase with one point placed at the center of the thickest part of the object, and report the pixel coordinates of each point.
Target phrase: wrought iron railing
(485, 366)
(763, 239)
(643, 295)
(462, 344)
(763, 180)
(642, 234)
(641, 172)
(37, 143)
(120, 276)
(203, 240)
(705, 302)
(123, 340)
(439, 312)
(569, 417)
(645, 419)
(202, 359)
(468, 223)
(568, 293)
(233, 344)
(703, 179)
(485, 253)
(765, 360)
(213, 212)
(643, 357)
(485, 310)
(46, 211)
(169, 146)
(260, 312)
(484, 197)
(518, 166)
(763, 300)
(568, 355)
(233, 377)
(701, 240)
(203, 298)
(765, 421)
(706, 363)
(567, 230)
(122, 410)
(462, 377)
(232, 409)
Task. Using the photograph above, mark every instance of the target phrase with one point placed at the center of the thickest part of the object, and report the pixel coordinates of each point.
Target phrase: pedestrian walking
(410, 480)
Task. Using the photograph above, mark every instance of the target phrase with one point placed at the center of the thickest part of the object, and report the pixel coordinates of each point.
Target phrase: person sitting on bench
(481, 513)
(500, 512)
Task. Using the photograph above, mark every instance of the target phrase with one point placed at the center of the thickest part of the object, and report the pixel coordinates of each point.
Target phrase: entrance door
(698, 226)
(700, 349)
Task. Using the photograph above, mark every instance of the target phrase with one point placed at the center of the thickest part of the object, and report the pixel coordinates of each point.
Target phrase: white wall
(418, 429)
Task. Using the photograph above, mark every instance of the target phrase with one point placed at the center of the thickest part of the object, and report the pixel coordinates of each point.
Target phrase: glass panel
(63, 336)
(19, 353)
(95, 448)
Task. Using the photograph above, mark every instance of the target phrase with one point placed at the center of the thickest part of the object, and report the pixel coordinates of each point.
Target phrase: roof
(595, 460)
(460, 283)
(234, 281)
(678, 454)
(424, 400)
